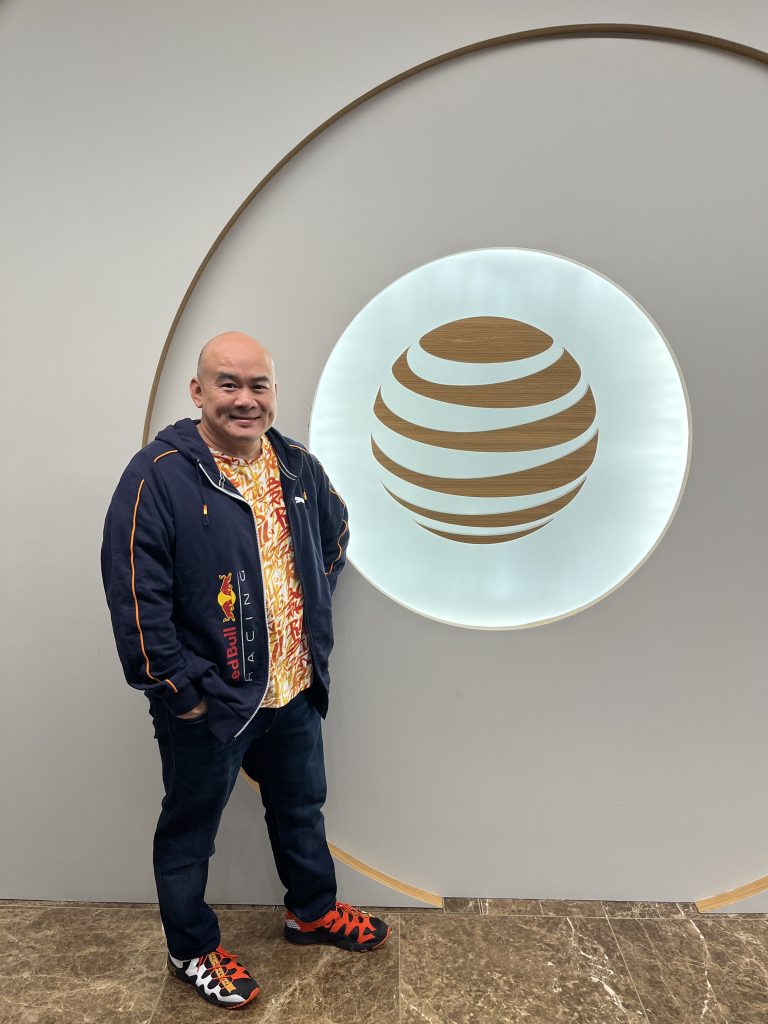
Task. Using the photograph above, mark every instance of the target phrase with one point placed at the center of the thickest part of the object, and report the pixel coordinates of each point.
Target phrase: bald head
(234, 344)
(235, 390)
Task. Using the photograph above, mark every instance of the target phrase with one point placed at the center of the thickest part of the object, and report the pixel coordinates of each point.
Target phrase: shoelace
(232, 970)
(354, 919)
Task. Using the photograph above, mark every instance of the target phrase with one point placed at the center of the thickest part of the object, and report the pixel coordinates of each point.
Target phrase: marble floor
(477, 961)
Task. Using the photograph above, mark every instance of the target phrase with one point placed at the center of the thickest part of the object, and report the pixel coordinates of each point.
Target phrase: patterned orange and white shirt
(290, 663)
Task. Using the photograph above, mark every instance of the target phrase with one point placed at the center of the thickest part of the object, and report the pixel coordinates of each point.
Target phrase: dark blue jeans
(282, 749)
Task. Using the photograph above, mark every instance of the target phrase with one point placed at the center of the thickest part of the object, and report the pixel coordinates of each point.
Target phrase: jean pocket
(192, 721)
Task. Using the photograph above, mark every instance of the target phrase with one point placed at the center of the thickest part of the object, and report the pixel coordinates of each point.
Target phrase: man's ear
(196, 392)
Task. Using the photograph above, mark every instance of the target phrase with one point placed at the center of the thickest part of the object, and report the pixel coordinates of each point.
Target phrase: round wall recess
(511, 433)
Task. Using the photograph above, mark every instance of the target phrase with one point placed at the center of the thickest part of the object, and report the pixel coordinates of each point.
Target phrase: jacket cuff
(182, 701)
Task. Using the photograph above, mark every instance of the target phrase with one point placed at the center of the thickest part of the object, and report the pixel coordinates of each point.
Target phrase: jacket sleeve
(137, 569)
(334, 526)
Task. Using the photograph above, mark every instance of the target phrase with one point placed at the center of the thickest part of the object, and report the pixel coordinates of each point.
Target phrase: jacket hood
(184, 436)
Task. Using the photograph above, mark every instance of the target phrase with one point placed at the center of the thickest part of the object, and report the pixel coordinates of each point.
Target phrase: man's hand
(196, 712)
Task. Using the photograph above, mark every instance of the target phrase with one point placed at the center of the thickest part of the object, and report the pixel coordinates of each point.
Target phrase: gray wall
(616, 754)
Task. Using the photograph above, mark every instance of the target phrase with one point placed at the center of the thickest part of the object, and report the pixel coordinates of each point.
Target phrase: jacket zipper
(239, 497)
(293, 476)
(290, 508)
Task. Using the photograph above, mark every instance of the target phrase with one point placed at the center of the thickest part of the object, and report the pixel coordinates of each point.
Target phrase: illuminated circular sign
(511, 433)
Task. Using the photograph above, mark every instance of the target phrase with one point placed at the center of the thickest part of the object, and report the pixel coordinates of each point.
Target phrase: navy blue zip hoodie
(182, 575)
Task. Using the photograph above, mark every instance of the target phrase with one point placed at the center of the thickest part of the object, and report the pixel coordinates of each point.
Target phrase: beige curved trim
(725, 899)
(615, 30)
(392, 883)
(405, 888)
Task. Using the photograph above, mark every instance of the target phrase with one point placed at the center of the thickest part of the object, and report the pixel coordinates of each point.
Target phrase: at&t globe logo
(511, 433)
(505, 347)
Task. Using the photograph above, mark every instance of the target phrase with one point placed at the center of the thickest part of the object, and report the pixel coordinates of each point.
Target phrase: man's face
(236, 393)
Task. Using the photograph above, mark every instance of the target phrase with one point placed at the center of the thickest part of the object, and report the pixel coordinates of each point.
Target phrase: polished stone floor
(495, 961)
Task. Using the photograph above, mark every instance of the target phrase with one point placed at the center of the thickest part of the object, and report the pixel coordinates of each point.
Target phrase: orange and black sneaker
(344, 926)
(217, 977)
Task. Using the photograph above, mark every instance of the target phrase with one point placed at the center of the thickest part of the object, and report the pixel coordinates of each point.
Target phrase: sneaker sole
(298, 938)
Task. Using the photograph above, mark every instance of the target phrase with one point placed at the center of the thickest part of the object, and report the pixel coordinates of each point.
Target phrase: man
(222, 547)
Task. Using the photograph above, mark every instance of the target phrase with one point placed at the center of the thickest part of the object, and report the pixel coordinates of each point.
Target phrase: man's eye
(228, 386)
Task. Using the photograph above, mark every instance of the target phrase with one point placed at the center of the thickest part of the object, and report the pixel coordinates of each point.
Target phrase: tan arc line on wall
(590, 30)
(544, 386)
(725, 899)
(544, 433)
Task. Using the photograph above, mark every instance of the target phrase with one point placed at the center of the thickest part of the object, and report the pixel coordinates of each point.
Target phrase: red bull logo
(233, 655)
(227, 598)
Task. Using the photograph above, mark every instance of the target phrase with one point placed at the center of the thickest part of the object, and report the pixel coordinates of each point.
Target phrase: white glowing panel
(511, 433)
